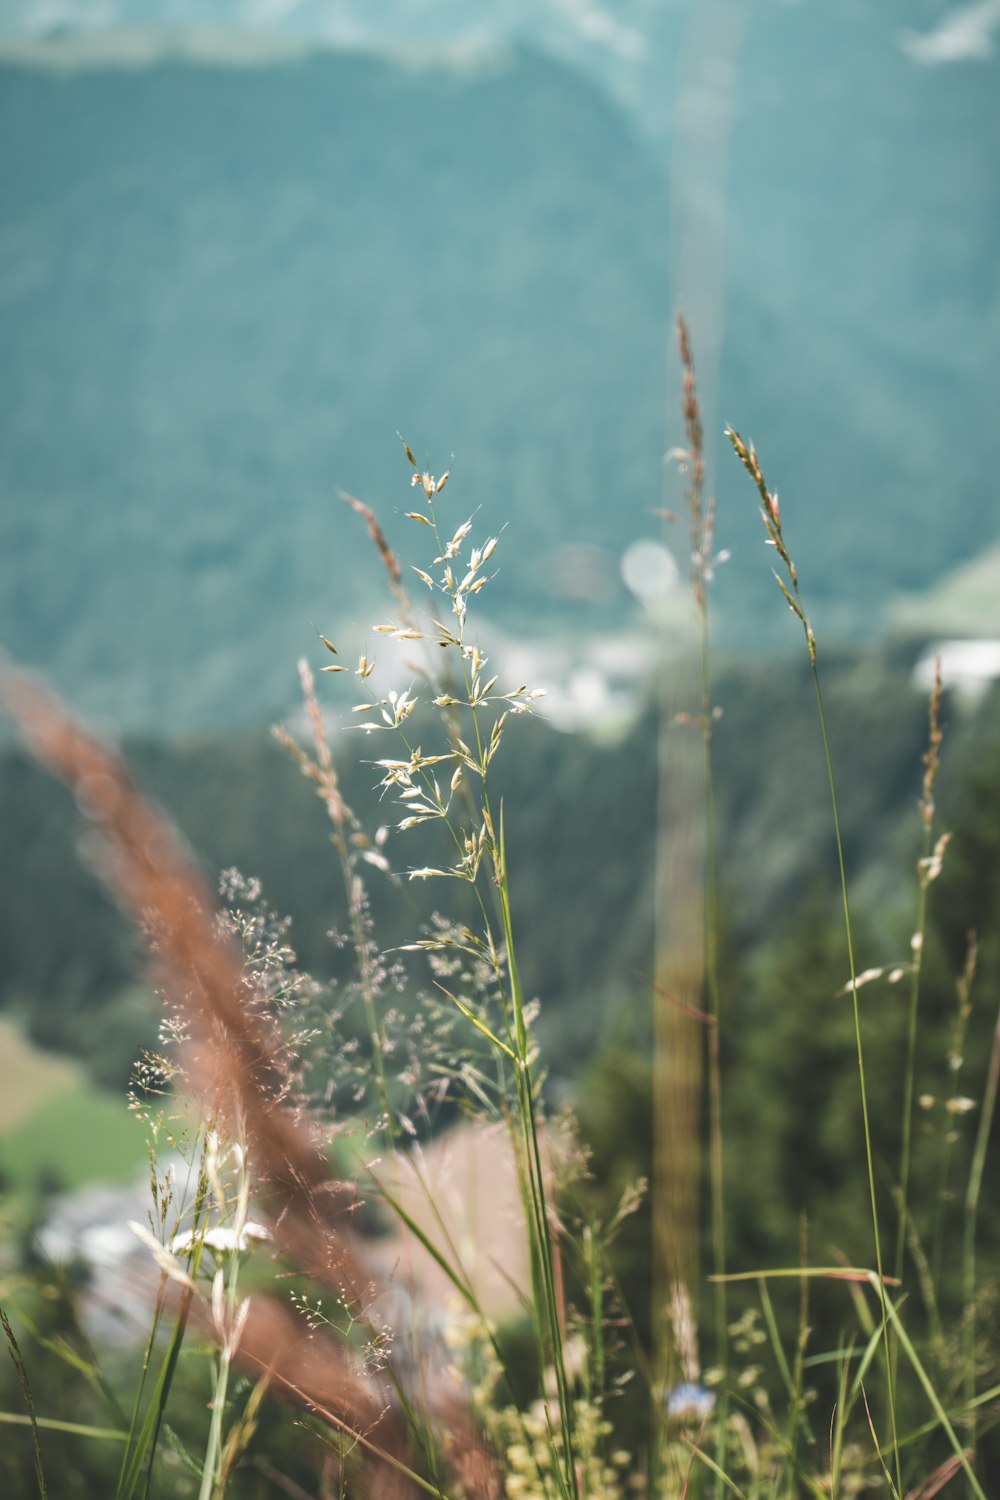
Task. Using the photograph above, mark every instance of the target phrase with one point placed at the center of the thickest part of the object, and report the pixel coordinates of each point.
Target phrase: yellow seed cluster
(533, 1446)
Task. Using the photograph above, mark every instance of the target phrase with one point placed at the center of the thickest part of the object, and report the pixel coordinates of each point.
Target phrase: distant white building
(90, 1226)
(968, 667)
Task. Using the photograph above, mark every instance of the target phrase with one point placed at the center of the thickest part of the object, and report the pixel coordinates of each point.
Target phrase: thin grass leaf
(775, 1338)
(441, 1260)
(838, 1421)
(772, 518)
(143, 1449)
(357, 1438)
(54, 1424)
(935, 1483)
(935, 1401)
(186, 1460)
(971, 1216)
(830, 1273)
(993, 1394)
(63, 1350)
(781, 1443)
(690, 1468)
(857, 1385)
(878, 1450)
(22, 1375)
(479, 1024)
(714, 1468)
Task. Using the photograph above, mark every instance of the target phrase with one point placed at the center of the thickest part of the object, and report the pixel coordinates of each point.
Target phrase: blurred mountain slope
(230, 272)
(225, 288)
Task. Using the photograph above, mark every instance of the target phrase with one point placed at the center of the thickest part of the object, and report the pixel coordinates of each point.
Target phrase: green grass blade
(772, 1329)
(934, 1399)
(144, 1446)
(480, 1025)
(76, 1429)
(831, 1273)
(859, 1374)
(719, 1473)
(22, 1375)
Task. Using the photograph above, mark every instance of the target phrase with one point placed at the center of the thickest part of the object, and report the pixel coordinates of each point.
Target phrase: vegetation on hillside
(227, 276)
(878, 1372)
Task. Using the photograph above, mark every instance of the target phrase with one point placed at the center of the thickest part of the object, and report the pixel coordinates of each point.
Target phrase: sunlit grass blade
(74, 1429)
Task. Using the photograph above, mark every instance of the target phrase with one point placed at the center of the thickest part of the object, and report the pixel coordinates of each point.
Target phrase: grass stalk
(321, 771)
(909, 1072)
(916, 970)
(975, 1488)
(796, 1416)
(55, 1424)
(925, 871)
(539, 1220)
(955, 1064)
(970, 1220)
(862, 1081)
(771, 516)
(140, 1447)
(701, 516)
(85, 1365)
(14, 1351)
(838, 1422)
(453, 1271)
(228, 1316)
(423, 800)
(143, 1450)
(536, 1180)
(211, 1466)
(497, 1012)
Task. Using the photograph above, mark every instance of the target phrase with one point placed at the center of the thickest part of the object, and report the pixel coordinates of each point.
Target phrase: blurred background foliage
(236, 257)
(240, 247)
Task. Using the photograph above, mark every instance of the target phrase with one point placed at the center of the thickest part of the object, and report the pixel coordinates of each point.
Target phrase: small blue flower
(690, 1400)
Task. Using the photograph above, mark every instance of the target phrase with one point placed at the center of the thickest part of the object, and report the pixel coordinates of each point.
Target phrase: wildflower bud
(690, 1400)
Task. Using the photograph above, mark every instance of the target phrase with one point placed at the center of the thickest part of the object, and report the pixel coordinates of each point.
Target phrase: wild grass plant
(310, 1106)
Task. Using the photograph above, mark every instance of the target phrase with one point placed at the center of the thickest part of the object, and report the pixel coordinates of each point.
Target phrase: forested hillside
(580, 825)
(229, 277)
(227, 287)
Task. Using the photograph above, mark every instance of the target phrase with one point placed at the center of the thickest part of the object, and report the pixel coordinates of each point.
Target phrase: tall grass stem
(771, 516)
